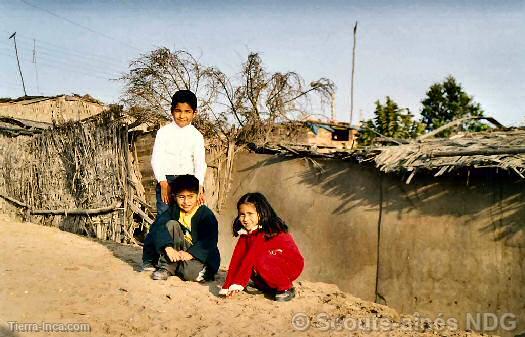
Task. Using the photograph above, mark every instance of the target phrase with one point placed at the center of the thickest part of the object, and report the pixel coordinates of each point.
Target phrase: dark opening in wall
(341, 135)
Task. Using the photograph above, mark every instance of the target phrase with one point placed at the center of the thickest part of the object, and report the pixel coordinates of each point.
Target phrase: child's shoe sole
(285, 296)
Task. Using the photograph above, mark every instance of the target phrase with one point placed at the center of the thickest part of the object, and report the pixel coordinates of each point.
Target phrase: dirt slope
(47, 275)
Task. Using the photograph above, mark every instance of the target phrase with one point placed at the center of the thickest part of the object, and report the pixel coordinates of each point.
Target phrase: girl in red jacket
(266, 253)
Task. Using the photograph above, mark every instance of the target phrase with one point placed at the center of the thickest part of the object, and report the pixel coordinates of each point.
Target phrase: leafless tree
(241, 108)
(232, 110)
(256, 100)
(153, 78)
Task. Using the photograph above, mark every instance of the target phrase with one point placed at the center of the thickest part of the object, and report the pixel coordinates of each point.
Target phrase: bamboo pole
(13, 200)
(485, 152)
(77, 211)
(457, 122)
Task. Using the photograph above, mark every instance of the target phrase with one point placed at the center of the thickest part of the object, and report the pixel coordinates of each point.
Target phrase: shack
(49, 109)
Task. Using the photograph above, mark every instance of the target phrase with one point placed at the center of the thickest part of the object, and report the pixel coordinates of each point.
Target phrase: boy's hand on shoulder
(202, 197)
(165, 191)
(173, 255)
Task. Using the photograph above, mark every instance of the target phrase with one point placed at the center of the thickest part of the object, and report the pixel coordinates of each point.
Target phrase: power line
(55, 48)
(89, 67)
(61, 49)
(99, 67)
(81, 26)
(69, 68)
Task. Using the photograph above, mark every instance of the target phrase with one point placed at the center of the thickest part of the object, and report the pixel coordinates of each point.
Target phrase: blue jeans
(161, 205)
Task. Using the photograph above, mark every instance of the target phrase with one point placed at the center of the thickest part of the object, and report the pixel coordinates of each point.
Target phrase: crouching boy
(183, 240)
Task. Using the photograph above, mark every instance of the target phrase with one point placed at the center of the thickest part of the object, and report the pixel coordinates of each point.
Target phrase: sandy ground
(47, 275)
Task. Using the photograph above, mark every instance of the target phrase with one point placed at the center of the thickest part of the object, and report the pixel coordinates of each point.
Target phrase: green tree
(391, 121)
(447, 101)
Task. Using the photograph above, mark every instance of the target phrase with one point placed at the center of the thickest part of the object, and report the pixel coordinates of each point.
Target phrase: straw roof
(495, 149)
(35, 99)
(499, 148)
(11, 126)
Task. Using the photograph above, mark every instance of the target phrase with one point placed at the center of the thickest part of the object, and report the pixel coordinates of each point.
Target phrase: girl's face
(248, 216)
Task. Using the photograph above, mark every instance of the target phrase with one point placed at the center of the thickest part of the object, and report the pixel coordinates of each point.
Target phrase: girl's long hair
(270, 223)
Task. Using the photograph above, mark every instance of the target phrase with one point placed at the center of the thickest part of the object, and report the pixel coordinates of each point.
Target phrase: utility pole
(13, 36)
(332, 106)
(353, 71)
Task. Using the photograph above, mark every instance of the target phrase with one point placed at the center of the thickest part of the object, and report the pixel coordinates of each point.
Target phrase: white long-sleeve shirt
(178, 151)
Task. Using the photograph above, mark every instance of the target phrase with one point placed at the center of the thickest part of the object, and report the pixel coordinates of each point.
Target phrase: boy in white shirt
(178, 149)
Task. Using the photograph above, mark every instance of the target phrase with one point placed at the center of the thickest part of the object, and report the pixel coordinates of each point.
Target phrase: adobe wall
(455, 249)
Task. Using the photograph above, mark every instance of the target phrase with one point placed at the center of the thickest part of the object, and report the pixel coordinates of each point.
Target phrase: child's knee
(191, 270)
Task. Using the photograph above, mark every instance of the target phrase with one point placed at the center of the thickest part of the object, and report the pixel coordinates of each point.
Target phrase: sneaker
(148, 266)
(285, 296)
(160, 274)
(252, 289)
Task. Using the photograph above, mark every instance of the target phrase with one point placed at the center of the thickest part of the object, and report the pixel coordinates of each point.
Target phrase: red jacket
(254, 246)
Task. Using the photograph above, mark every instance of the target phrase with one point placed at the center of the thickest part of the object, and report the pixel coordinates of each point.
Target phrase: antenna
(36, 69)
(13, 36)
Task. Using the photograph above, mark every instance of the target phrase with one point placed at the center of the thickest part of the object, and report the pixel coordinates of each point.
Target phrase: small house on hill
(316, 133)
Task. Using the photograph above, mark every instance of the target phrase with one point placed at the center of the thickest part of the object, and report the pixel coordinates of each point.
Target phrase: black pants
(149, 254)
(192, 270)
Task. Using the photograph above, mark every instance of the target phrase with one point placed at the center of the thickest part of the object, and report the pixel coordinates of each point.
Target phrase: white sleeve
(199, 159)
(157, 160)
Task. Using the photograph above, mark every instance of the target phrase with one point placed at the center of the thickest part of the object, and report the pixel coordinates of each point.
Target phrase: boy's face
(186, 200)
(183, 114)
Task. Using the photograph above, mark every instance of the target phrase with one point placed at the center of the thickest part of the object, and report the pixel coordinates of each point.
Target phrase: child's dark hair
(186, 182)
(270, 223)
(184, 96)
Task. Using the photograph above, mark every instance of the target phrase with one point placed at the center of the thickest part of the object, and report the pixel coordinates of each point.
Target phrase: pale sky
(403, 46)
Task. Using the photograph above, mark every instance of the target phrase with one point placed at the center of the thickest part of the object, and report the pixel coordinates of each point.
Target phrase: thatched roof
(35, 99)
(504, 149)
(497, 149)
(18, 126)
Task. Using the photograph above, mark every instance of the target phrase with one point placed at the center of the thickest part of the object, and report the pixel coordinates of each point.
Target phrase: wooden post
(353, 72)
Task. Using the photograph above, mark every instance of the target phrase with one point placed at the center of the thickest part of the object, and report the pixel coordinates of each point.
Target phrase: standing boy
(178, 149)
(184, 237)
